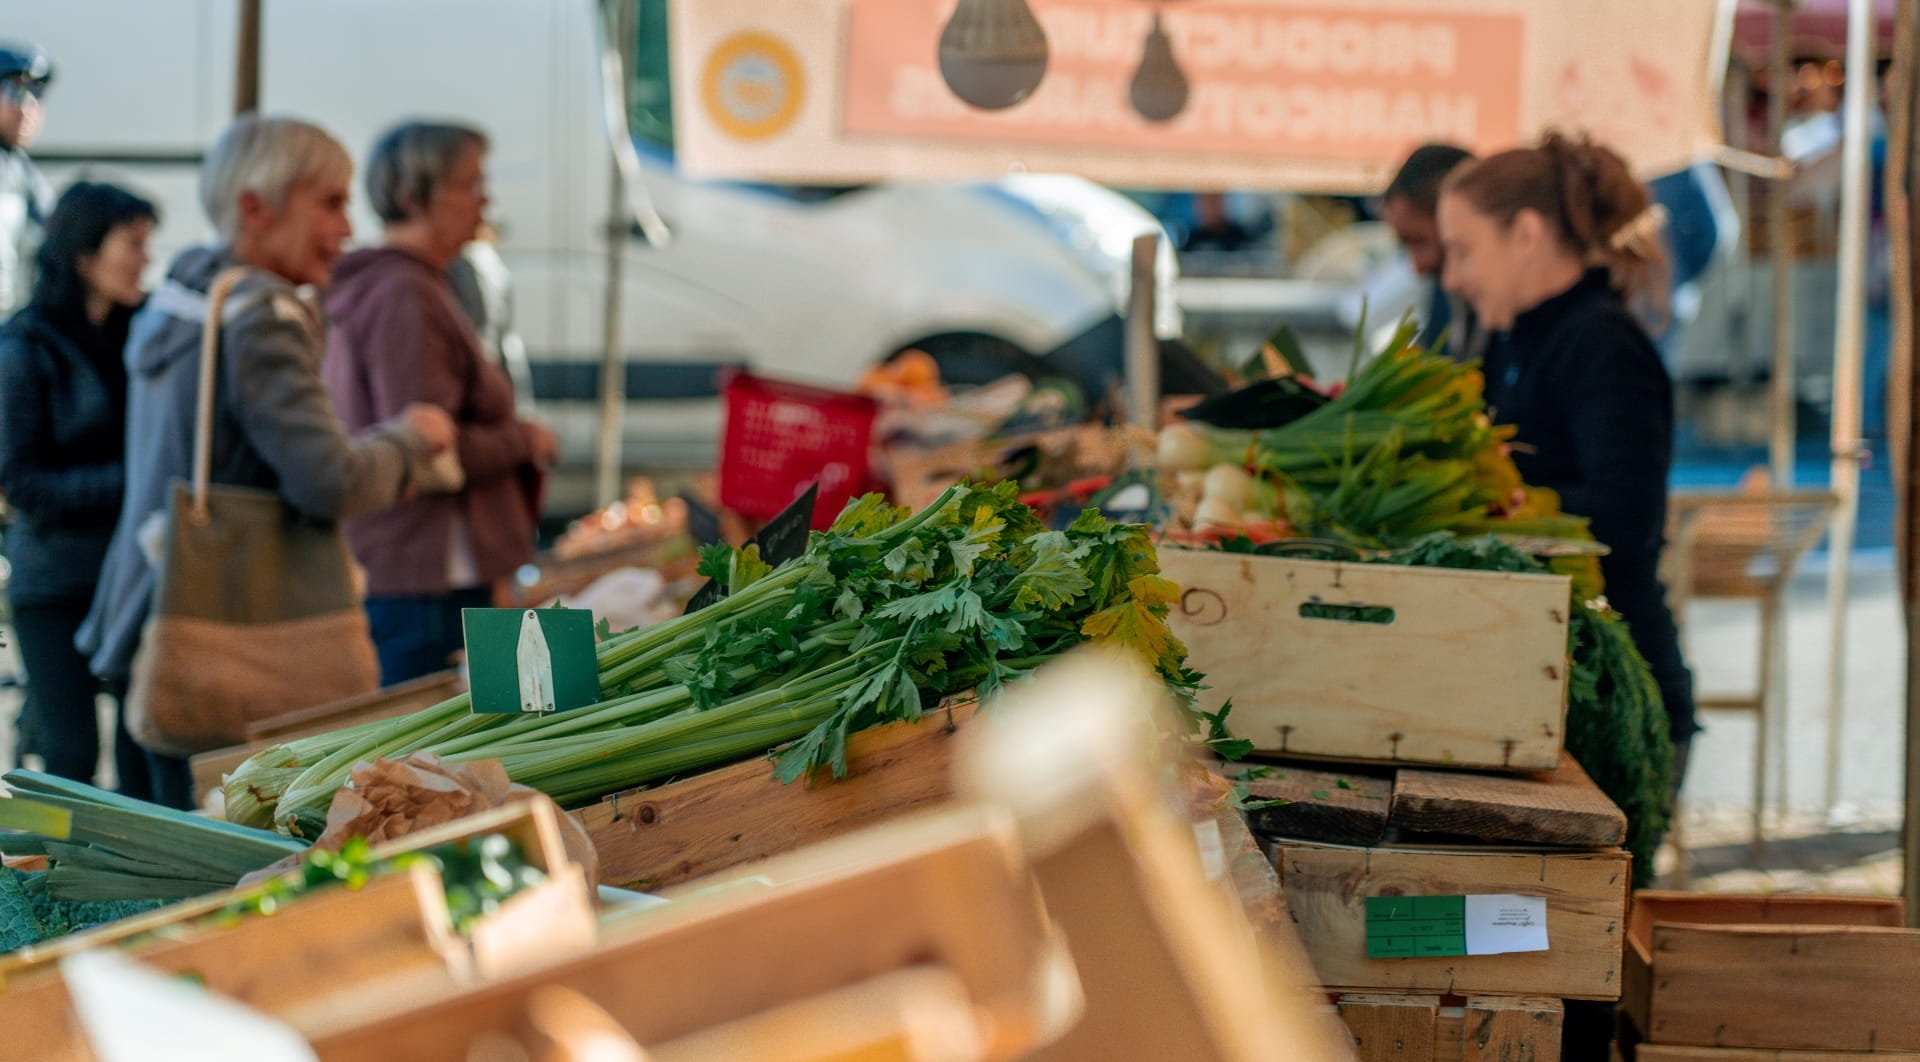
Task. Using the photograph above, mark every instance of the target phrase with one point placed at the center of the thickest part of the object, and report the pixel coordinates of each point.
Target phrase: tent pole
(1847, 349)
(1738, 91)
(246, 59)
(613, 380)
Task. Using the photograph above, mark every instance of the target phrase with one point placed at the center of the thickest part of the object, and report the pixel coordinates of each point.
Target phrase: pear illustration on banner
(993, 53)
(1159, 89)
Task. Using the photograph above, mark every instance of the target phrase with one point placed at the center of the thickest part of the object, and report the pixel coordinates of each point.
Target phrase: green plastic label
(1406, 927)
(530, 660)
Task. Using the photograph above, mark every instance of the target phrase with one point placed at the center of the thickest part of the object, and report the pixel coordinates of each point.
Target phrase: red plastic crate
(782, 436)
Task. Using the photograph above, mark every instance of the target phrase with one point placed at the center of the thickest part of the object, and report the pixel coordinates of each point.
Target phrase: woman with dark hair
(63, 401)
(1557, 249)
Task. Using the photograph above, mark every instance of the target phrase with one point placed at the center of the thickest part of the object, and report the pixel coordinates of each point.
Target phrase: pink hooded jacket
(395, 335)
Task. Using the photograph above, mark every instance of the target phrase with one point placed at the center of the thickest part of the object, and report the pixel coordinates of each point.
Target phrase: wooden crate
(330, 954)
(1470, 672)
(945, 889)
(1419, 1028)
(1170, 968)
(661, 837)
(1823, 973)
(333, 952)
(1326, 888)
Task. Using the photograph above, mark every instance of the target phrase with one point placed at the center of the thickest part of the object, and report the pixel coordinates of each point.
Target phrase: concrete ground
(1852, 846)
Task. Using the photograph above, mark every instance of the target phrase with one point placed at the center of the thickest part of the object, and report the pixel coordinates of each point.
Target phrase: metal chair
(1746, 545)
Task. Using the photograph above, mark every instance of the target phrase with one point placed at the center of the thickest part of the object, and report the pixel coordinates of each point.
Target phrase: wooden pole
(608, 473)
(1780, 244)
(246, 52)
(1848, 348)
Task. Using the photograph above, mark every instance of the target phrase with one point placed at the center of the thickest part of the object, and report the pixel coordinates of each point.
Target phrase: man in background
(25, 197)
(1408, 208)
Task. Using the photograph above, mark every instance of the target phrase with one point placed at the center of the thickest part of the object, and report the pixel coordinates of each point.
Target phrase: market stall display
(641, 531)
(885, 614)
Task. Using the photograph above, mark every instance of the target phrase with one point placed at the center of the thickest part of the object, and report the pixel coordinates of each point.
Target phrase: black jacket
(1581, 381)
(63, 401)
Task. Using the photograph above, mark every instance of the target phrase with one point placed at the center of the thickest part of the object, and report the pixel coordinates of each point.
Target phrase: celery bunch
(884, 614)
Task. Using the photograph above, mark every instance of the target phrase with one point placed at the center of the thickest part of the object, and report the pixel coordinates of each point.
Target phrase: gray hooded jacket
(273, 427)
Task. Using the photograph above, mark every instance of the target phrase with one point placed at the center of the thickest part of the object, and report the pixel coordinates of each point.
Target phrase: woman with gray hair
(276, 190)
(397, 336)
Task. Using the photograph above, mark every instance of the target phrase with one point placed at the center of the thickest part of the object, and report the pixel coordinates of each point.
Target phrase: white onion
(1215, 513)
(1182, 448)
(1229, 484)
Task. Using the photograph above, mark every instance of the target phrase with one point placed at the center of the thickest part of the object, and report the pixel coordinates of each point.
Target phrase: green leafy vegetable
(1223, 744)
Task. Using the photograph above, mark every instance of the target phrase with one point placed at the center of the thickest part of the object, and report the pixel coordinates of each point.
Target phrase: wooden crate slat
(1322, 804)
(1681, 1053)
(1387, 1028)
(1471, 671)
(659, 837)
(1659, 905)
(1415, 1027)
(1511, 1029)
(1561, 807)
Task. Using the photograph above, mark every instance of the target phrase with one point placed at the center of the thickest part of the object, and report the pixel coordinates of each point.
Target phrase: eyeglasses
(17, 90)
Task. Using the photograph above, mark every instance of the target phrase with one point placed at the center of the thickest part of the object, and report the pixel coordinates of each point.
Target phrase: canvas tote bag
(254, 608)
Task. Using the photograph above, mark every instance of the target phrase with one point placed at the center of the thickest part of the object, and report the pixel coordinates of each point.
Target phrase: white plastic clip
(536, 665)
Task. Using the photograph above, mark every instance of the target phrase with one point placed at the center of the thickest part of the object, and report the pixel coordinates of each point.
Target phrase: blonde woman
(276, 191)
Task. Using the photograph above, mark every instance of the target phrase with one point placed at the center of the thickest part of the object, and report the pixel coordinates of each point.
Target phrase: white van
(1026, 272)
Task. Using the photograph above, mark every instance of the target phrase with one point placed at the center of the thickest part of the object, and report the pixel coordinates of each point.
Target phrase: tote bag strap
(210, 330)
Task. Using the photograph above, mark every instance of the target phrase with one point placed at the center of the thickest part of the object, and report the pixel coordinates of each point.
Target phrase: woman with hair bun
(1557, 249)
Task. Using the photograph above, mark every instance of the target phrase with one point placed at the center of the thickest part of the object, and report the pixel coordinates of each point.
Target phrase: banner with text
(1314, 95)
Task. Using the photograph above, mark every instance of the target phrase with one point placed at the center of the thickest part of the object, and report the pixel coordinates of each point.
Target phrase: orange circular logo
(753, 85)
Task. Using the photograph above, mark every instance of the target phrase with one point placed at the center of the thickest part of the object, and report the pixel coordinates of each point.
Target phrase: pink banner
(1294, 83)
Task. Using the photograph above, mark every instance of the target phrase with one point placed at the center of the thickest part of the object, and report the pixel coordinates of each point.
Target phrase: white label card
(1503, 923)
